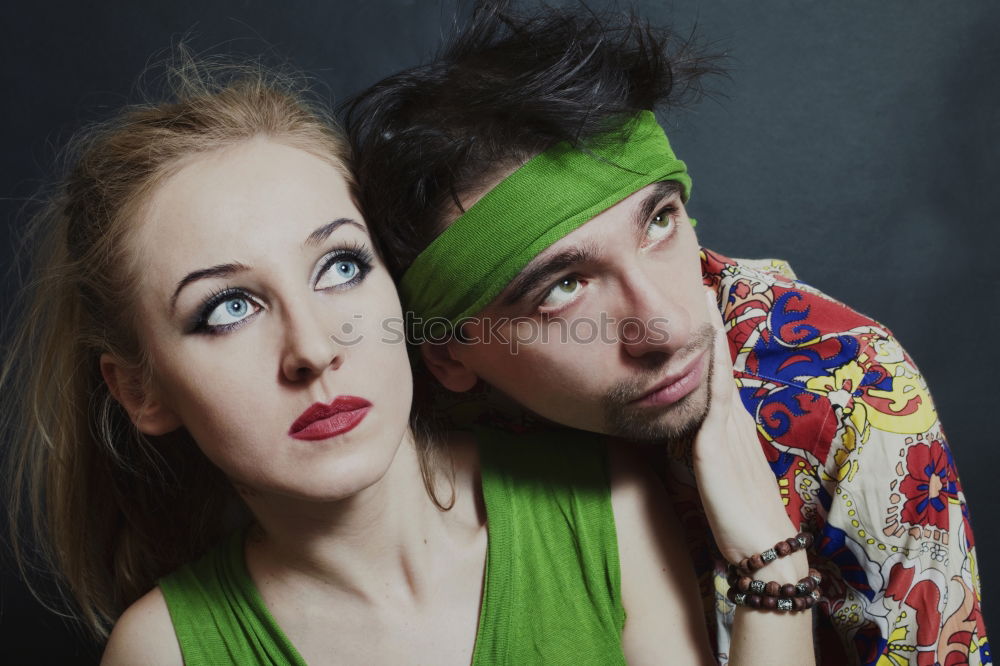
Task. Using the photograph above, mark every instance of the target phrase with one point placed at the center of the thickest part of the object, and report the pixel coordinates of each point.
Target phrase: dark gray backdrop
(857, 140)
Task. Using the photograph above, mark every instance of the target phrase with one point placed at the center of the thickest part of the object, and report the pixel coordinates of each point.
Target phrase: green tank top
(552, 588)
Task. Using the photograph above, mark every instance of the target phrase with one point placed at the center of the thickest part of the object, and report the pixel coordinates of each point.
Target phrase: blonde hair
(106, 507)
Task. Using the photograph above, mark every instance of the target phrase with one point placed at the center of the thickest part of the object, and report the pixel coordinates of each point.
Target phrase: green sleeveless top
(552, 588)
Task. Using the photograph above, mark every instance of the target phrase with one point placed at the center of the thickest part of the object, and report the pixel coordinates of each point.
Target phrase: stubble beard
(674, 426)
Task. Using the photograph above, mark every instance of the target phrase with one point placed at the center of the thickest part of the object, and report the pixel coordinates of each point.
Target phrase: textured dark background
(857, 140)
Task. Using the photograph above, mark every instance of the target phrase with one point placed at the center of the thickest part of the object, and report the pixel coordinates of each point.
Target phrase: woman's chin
(335, 477)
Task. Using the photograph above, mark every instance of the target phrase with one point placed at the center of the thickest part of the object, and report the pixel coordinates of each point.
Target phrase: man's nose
(653, 321)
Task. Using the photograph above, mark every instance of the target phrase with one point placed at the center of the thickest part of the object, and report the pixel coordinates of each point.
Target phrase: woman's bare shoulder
(658, 581)
(144, 634)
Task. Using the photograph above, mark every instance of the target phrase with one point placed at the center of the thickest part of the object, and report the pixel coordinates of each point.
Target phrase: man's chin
(672, 424)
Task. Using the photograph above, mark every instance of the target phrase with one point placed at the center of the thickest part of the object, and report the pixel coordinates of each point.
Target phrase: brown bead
(772, 589)
(800, 603)
(810, 601)
(788, 590)
(754, 601)
(782, 548)
(769, 603)
(808, 583)
(756, 562)
(793, 543)
(743, 584)
(744, 565)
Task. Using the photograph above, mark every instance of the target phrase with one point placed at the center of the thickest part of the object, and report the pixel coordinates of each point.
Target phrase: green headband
(554, 193)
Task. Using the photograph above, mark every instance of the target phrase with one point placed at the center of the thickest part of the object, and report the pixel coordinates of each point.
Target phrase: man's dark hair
(504, 88)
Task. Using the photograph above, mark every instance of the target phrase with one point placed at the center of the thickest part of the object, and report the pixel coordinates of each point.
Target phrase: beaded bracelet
(748, 565)
(744, 590)
(774, 589)
(773, 603)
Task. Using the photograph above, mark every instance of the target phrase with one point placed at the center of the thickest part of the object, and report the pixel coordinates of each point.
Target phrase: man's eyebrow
(529, 279)
(323, 232)
(222, 270)
(662, 190)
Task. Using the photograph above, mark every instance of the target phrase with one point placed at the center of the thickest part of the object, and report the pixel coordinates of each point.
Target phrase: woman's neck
(386, 540)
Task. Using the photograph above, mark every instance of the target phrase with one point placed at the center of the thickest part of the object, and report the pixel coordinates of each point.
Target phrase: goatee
(675, 425)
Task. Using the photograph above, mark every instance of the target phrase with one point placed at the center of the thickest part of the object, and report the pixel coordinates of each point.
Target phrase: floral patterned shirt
(850, 430)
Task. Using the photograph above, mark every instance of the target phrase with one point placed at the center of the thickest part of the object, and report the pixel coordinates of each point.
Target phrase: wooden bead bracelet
(744, 590)
(748, 565)
(773, 603)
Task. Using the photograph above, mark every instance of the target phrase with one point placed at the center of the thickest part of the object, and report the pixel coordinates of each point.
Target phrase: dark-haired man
(530, 205)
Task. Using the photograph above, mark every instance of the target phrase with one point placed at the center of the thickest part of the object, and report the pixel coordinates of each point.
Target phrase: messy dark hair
(505, 87)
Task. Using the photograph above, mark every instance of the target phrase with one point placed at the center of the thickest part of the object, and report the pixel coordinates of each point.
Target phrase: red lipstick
(324, 421)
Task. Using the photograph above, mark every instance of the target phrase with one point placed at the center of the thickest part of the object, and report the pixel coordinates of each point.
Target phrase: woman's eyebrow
(222, 270)
(320, 234)
(323, 232)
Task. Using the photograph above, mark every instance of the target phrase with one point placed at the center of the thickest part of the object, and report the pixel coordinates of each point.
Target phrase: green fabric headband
(554, 193)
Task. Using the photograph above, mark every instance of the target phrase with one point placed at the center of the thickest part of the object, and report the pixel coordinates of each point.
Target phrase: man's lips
(323, 421)
(675, 386)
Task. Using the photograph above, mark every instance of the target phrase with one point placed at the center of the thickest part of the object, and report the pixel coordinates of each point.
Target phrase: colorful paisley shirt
(851, 433)
(849, 428)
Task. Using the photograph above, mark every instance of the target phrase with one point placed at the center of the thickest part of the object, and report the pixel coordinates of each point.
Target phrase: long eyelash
(669, 209)
(212, 301)
(354, 250)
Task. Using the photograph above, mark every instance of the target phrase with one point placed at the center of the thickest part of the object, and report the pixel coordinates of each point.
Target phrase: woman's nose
(310, 346)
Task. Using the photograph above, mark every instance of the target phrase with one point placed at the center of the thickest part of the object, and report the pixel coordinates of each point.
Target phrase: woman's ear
(452, 373)
(147, 412)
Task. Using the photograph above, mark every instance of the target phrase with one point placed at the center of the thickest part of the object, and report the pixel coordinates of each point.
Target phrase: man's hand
(746, 514)
(737, 486)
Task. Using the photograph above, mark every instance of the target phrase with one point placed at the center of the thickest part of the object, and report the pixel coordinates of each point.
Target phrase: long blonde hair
(107, 508)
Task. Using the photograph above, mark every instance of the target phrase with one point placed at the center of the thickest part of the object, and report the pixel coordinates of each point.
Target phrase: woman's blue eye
(346, 269)
(342, 270)
(230, 311)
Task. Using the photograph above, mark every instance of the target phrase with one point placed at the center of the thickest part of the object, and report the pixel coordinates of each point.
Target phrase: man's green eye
(563, 291)
(660, 225)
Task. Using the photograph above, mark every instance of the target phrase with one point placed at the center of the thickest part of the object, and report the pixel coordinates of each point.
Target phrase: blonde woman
(206, 337)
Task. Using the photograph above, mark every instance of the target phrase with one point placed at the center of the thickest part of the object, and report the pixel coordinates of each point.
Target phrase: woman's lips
(675, 387)
(323, 421)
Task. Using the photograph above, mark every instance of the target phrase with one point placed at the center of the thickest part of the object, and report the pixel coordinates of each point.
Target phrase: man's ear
(452, 373)
(148, 413)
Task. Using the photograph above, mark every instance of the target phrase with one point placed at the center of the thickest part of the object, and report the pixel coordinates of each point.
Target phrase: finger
(721, 385)
(723, 357)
